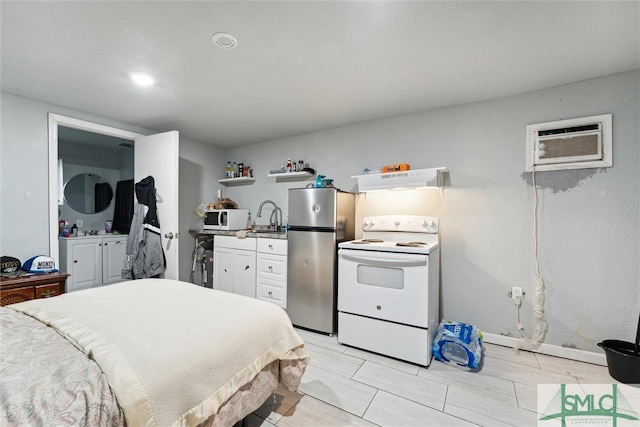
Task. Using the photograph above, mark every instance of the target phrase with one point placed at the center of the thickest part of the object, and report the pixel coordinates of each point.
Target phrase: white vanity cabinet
(272, 271)
(234, 265)
(114, 249)
(92, 260)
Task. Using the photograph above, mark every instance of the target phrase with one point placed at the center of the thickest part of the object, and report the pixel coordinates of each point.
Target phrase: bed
(151, 352)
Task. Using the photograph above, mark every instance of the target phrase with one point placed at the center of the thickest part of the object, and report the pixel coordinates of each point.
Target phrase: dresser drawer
(48, 291)
(16, 295)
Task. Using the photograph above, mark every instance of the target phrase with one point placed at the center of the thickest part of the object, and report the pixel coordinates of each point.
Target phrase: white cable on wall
(542, 326)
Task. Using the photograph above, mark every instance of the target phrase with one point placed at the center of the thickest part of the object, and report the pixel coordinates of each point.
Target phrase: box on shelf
(396, 168)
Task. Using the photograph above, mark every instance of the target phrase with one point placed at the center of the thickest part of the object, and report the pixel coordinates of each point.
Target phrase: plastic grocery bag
(458, 344)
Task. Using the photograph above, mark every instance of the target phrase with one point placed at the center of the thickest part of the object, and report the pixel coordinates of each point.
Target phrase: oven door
(384, 285)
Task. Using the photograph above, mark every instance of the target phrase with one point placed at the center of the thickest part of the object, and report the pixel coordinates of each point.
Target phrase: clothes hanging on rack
(145, 255)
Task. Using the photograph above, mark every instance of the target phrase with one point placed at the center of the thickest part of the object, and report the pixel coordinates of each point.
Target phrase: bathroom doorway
(70, 132)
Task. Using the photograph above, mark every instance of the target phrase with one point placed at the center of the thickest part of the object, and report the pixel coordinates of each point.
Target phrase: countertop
(94, 236)
(250, 233)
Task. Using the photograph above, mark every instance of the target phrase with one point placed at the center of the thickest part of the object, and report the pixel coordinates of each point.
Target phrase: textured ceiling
(302, 66)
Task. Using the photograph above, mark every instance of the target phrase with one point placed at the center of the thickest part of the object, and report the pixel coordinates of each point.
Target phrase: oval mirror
(88, 193)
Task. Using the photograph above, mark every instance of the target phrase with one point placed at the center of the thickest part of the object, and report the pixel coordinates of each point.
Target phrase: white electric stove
(388, 287)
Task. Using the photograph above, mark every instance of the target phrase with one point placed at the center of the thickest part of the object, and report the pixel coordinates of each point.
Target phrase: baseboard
(551, 350)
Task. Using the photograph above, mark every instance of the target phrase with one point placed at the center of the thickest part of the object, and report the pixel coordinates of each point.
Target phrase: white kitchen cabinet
(272, 271)
(92, 260)
(234, 265)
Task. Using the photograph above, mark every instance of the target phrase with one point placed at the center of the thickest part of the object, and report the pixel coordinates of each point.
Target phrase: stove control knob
(428, 223)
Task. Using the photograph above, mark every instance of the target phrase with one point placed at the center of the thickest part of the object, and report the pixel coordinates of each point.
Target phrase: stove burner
(411, 244)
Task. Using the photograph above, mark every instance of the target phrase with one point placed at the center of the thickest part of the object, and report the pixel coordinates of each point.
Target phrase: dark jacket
(145, 255)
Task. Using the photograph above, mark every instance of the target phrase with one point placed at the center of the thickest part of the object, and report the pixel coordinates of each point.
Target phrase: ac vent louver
(570, 144)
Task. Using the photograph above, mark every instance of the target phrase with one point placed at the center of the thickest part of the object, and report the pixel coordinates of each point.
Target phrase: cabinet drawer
(234, 243)
(273, 267)
(272, 246)
(16, 295)
(273, 292)
(47, 291)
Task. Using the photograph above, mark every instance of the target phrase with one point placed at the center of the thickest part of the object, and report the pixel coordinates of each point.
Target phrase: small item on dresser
(108, 226)
(74, 231)
(10, 266)
(40, 264)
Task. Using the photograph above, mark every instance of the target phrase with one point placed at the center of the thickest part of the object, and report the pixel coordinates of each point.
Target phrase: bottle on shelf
(289, 166)
(228, 171)
(234, 171)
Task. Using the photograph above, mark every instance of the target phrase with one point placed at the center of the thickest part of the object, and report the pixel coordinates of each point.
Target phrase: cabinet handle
(47, 294)
(225, 270)
(270, 293)
(75, 261)
(246, 267)
(271, 247)
(270, 268)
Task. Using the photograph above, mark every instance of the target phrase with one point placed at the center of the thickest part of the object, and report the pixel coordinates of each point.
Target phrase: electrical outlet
(79, 223)
(516, 294)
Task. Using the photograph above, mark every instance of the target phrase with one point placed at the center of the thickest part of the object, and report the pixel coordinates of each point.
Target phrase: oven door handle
(386, 262)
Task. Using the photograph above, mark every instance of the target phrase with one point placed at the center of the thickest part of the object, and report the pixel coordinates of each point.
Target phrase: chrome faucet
(276, 209)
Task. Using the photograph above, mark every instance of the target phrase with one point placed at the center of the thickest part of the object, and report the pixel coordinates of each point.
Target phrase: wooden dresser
(35, 286)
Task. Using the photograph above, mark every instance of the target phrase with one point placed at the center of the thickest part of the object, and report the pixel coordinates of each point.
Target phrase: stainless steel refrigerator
(319, 218)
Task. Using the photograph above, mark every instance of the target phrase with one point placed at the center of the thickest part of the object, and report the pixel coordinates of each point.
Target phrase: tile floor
(344, 386)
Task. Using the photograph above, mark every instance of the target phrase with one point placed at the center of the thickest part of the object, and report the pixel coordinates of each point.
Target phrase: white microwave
(225, 219)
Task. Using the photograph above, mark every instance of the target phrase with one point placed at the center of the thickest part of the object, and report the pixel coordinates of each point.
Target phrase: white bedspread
(173, 352)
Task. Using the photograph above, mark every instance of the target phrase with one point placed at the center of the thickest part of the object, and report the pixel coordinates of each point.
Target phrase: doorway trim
(56, 120)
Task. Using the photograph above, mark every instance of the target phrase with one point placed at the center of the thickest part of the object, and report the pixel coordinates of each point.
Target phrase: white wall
(201, 165)
(24, 226)
(589, 226)
(588, 219)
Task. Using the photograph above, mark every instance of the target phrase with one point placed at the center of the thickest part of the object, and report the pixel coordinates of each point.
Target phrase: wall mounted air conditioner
(570, 144)
(401, 180)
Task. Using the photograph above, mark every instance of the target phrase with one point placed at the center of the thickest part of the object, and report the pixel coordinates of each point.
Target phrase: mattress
(145, 352)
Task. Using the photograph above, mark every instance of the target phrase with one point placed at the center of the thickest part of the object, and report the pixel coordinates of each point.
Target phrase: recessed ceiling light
(142, 79)
(224, 40)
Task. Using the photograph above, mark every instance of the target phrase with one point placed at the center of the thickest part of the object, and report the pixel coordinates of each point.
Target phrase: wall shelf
(290, 176)
(242, 180)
